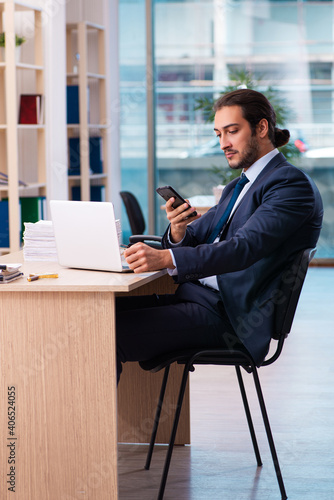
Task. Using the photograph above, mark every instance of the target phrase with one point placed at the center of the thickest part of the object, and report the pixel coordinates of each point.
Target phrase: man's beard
(249, 155)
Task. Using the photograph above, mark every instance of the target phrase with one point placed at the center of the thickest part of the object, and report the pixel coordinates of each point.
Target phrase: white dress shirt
(252, 172)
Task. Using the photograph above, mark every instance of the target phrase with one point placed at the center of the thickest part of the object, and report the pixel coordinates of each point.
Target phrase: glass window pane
(133, 120)
(287, 45)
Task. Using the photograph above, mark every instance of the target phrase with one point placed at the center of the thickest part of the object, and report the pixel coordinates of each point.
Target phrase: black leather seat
(137, 221)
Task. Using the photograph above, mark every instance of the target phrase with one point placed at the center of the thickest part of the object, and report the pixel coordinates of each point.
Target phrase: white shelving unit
(13, 162)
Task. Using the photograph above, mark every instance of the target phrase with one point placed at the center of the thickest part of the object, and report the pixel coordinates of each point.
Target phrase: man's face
(241, 148)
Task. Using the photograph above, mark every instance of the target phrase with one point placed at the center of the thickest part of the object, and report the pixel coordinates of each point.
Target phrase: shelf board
(96, 76)
(91, 177)
(100, 126)
(32, 126)
(98, 176)
(35, 185)
(90, 125)
(20, 65)
(89, 26)
(94, 26)
(29, 66)
(21, 5)
(21, 126)
(92, 76)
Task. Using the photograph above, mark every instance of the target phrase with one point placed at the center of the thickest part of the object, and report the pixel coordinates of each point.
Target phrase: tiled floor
(299, 393)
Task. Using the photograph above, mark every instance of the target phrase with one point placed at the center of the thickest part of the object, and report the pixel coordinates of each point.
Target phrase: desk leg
(58, 359)
(138, 394)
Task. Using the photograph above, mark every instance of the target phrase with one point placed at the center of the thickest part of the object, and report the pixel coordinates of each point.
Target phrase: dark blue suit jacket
(280, 215)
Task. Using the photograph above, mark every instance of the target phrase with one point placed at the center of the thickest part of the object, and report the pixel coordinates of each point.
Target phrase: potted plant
(19, 40)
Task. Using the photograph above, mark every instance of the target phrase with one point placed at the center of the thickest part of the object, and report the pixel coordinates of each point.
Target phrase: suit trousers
(193, 317)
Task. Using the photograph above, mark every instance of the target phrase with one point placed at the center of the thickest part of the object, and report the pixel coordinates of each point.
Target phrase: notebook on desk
(86, 235)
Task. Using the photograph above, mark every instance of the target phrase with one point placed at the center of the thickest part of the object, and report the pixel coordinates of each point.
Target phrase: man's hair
(255, 106)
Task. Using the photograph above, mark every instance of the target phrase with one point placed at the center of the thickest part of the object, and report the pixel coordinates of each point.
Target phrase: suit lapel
(273, 163)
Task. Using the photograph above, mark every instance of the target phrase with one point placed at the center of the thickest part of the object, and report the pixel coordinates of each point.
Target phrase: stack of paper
(39, 241)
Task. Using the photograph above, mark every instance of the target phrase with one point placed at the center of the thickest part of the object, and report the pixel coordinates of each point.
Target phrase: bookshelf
(25, 173)
(87, 125)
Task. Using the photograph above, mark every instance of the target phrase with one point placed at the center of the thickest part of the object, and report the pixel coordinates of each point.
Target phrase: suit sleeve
(275, 211)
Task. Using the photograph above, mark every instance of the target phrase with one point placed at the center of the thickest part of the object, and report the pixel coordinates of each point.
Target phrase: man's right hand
(178, 218)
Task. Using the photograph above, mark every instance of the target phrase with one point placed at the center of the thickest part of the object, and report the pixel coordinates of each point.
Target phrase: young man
(228, 263)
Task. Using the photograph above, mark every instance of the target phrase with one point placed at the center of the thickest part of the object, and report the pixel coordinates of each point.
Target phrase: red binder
(31, 112)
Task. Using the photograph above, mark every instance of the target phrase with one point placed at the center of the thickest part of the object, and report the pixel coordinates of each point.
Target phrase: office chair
(285, 307)
(137, 221)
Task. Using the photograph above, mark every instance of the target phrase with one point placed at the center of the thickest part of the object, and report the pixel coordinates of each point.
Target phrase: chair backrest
(288, 295)
(134, 212)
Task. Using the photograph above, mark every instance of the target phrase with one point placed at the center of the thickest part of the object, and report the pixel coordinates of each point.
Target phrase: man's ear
(262, 128)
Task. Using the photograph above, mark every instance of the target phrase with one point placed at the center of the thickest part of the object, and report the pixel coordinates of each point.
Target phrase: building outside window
(197, 45)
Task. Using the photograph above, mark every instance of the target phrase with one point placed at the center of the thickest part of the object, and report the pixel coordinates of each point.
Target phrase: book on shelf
(95, 155)
(4, 180)
(73, 106)
(4, 224)
(97, 193)
(31, 109)
(72, 100)
(33, 209)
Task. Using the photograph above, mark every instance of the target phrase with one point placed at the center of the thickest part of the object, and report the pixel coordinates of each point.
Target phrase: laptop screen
(86, 235)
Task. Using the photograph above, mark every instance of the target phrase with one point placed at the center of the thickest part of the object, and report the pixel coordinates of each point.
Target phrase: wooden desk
(57, 341)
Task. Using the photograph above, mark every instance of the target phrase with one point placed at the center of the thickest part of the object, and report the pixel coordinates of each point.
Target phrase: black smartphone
(168, 192)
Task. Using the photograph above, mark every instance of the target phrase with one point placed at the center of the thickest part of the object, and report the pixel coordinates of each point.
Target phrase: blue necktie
(224, 218)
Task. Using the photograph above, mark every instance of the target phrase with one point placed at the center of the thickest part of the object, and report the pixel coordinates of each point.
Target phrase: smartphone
(168, 192)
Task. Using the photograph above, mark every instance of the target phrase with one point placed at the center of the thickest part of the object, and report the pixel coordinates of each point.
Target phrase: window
(285, 44)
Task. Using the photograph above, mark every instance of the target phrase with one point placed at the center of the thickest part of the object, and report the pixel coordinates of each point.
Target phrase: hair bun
(282, 137)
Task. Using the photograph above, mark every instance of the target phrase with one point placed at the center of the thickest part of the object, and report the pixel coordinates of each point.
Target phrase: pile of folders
(10, 272)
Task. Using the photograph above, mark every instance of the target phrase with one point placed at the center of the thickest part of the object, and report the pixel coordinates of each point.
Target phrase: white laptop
(86, 235)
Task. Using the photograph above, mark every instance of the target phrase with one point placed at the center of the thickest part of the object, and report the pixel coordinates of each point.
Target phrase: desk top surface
(72, 280)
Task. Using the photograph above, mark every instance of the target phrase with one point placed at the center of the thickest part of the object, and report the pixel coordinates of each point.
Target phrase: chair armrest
(149, 239)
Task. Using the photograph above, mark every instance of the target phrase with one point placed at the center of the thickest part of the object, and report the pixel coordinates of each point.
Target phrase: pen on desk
(34, 277)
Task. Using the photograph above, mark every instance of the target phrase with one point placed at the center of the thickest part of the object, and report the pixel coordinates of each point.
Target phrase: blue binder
(4, 224)
(72, 94)
(95, 156)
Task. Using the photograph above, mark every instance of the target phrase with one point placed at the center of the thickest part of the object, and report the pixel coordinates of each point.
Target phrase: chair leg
(249, 416)
(174, 430)
(269, 434)
(157, 418)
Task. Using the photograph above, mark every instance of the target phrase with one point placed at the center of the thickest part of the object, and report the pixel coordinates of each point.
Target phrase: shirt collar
(259, 165)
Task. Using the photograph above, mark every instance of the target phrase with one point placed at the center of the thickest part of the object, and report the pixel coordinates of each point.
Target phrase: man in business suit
(228, 267)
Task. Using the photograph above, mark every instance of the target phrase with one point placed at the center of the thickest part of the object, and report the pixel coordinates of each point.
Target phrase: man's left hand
(142, 258)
